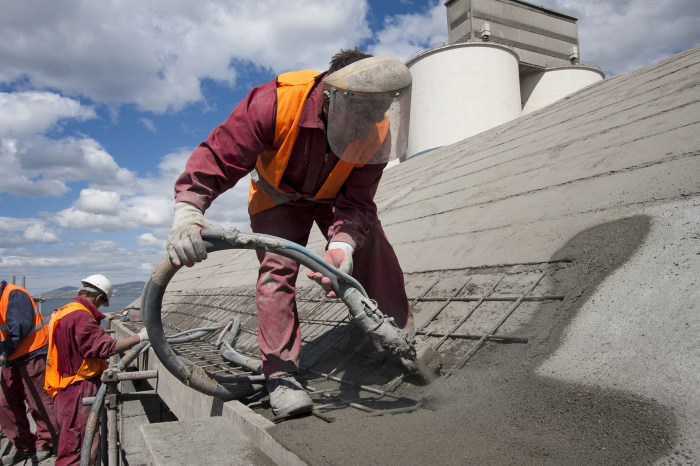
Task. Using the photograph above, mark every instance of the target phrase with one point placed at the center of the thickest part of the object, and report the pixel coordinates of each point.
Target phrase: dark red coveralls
(78, 336)
(23, 381)
(230, 153)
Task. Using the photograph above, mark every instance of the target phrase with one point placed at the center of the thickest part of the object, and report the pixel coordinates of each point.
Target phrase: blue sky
(101, 102)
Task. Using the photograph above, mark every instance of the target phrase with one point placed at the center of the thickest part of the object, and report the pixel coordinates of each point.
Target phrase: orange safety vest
(266, 187)
(37, 337)
(89, 368)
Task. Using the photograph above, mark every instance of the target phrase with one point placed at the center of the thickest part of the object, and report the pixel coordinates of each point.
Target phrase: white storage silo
(460, 90)
(541, 88)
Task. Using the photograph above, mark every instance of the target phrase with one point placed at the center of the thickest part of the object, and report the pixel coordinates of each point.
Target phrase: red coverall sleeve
(91, 339)
(354, 210)
(230, 151)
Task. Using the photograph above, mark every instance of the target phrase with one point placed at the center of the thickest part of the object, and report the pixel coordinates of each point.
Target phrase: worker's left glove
(185, 245)
(143, 335)
(3, 360)
(339, 255)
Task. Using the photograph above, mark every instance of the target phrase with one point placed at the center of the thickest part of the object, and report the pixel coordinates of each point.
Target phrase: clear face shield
(368, 128)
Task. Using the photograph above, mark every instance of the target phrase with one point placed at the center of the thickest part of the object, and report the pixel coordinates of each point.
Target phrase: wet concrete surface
(497, 410)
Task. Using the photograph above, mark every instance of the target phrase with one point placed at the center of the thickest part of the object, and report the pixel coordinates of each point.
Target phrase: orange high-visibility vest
(266, 188)
(89, 368)
(37, 337)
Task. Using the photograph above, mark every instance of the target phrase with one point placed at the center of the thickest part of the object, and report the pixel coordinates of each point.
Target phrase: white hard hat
(368, 109)
(100, 283)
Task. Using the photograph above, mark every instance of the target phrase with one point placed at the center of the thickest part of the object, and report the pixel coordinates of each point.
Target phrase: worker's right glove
(185, 245)
(3, 360)
(339, 255)
(143, 335)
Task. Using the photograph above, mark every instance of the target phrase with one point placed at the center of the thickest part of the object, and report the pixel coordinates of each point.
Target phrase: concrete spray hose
(416, 356)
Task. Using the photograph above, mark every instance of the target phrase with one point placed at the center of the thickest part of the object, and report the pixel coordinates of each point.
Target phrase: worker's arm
(230, 151)
(124, 344)
(20, 321)
(354, 210)
(229, 154)
(91, 339)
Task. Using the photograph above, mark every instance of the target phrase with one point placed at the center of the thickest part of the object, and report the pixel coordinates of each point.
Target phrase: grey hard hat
(368, 111)
(371, 75)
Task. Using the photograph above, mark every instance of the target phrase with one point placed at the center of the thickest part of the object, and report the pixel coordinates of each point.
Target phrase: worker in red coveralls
(78, 349)
(23, 346)
(315, 145)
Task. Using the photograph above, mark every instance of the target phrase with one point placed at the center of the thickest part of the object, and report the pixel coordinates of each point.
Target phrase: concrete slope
(520, 191)
(598, 196)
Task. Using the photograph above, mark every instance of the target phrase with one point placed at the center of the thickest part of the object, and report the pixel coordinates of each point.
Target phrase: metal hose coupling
(383, 329)
(415, 354)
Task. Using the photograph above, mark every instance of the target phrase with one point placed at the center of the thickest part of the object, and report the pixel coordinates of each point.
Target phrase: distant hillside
(130, 289)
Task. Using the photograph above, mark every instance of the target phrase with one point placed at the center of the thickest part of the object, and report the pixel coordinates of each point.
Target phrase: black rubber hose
(151, 303)
(216, 240)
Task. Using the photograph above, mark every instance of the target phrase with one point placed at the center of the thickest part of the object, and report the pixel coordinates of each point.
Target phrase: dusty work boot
(15, 457)
(287, 397)
(41, 455)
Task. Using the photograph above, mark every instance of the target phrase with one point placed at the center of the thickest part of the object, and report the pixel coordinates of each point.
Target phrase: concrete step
(212, 441)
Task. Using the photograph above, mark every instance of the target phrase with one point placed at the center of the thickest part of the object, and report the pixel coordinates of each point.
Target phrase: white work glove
(185, 245)
(3, 360)
(339, 255)
(143, 335)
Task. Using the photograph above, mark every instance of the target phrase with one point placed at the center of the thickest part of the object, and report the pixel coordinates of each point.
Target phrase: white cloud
(147, 203)
(38, 232)
(33, 112)
(73, 217)
(404, 35)
(21, 231)
(96, 201)
(148, 124)
(148, 239)
(155, 53)
(38, 166)
(32, 261)
(625, 35)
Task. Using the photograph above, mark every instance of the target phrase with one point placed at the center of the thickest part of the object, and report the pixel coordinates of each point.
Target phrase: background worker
(78, 349)
(23, 346)
(315, 145)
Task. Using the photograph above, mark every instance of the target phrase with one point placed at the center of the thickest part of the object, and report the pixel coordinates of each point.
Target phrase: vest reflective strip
(276, 196)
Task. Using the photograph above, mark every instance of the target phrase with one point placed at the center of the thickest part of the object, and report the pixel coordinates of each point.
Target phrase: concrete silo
(504, 58)
(459, 90)
(541, 88)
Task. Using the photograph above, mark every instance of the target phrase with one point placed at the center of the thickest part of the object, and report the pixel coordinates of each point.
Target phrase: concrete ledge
(200, 441)
(188, 404)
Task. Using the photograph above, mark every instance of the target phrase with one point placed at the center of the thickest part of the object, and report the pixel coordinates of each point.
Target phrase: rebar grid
(319, 316)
